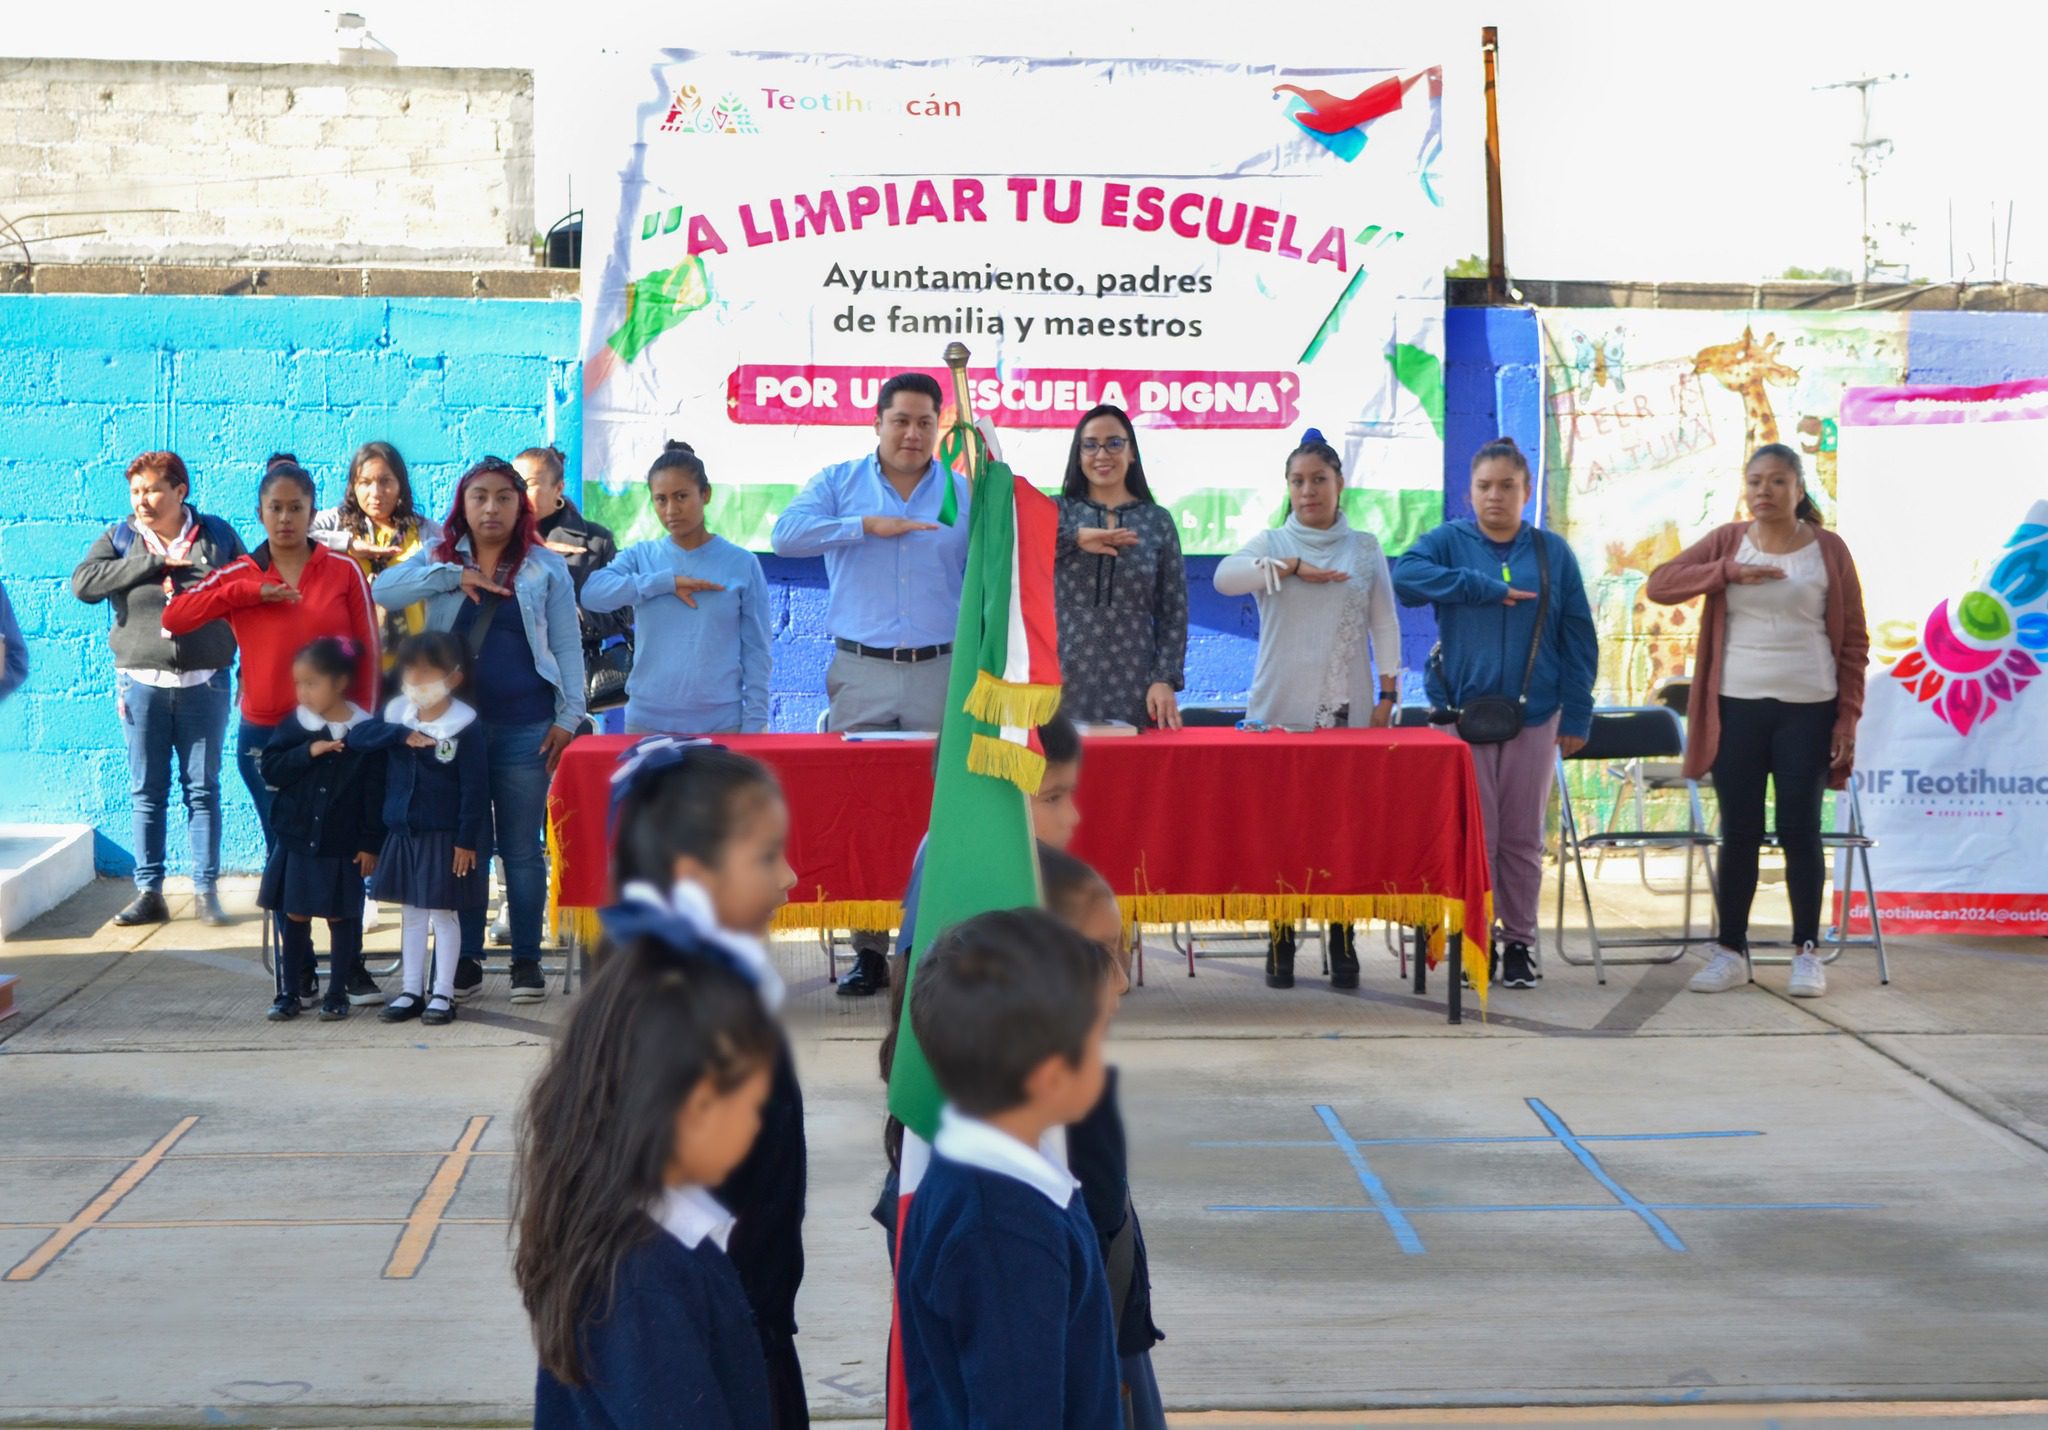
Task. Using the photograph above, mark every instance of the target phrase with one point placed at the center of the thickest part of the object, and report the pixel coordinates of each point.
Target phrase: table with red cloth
(1187, 825)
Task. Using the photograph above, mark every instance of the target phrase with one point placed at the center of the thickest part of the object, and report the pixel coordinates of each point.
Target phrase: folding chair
(1628, 733)
(1851, 846)
(1643, 778)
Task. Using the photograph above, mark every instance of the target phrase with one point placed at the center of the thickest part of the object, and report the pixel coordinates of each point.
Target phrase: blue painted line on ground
(1482, 1141)
(1404, 1234)
(1458, 1210)
(1660, 1228)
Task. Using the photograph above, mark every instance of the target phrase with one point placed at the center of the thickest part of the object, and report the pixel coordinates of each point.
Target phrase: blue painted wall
(86, 382)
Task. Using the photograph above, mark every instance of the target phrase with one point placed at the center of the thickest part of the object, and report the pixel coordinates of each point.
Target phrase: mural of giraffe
(1641, 644)
(1748, 369)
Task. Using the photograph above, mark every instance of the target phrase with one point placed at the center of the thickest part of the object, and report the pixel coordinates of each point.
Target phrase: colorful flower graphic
(1979, 651)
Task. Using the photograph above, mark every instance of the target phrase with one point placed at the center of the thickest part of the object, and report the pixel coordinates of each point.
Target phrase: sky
(1640, 141)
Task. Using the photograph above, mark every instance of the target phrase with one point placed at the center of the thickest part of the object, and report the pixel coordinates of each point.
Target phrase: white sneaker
(1725, 970)
(1809, 975)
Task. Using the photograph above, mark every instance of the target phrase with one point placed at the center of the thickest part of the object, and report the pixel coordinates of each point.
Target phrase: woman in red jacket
(284, 594)
(1777, 688)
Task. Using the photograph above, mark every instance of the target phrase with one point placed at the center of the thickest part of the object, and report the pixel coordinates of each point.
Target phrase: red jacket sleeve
(234, 587)
(1699, 570)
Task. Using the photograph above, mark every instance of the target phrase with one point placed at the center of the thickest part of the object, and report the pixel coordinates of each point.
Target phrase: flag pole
(963, 405)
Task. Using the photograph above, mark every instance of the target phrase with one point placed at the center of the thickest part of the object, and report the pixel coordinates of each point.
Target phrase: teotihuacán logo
(689, 114)
(1975, 654)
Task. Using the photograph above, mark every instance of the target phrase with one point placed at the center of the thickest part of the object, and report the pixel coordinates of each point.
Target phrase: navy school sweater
(332, 806)
(675, 1349)
(1004, 1308)
(445, 786)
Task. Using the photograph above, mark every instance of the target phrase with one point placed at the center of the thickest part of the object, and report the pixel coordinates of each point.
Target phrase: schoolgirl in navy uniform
(437, 818)
(636, 1126)
(326, 825)
(700, 831)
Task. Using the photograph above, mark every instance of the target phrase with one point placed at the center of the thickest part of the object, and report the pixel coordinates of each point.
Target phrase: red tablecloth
(1188, 824)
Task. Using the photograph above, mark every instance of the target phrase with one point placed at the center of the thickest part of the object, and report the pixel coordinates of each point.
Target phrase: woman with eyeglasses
(1118, 584)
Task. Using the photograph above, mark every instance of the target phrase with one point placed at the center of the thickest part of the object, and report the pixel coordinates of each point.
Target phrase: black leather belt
(900, 657)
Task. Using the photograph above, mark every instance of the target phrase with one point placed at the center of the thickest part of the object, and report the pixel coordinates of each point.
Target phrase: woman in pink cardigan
(1777, 687)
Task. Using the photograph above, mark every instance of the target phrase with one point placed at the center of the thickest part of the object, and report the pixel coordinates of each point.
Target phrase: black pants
(1788, 744)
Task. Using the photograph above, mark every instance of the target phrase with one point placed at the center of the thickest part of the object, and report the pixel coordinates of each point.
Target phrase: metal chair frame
(1851, 848)
(1695, 840)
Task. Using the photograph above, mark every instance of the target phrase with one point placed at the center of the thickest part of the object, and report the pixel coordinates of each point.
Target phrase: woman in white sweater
(1326, 615)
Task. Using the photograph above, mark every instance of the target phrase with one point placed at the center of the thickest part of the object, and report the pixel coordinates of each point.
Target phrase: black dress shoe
(439, 1012)
(207, 907)
(1280, 957)
(404, 1006)
(148, 907)
(870, 975)
(1343, 956)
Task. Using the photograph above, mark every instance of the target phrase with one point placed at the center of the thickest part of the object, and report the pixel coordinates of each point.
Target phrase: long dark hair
(597, 1133)
(1075, 485)
(354, 520)
(1806, 510)
(525, 531)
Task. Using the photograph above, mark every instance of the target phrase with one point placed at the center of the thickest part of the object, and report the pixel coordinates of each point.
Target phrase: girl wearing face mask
(436, 811)
(376, 526)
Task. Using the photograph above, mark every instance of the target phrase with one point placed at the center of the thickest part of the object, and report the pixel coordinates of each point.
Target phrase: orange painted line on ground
(1794, 1411)
(89, 1216)
(431, 1209)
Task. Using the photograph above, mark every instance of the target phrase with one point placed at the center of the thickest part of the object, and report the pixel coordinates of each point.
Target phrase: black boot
(1343, 956)
(1280, 956)
(148, 907)
(870, 975)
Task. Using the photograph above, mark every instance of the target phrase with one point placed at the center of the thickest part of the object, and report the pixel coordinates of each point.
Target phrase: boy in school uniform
(1003, 1302)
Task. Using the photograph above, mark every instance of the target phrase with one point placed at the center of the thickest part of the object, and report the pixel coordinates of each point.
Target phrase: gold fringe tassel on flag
(995, 701)
(1000, 759)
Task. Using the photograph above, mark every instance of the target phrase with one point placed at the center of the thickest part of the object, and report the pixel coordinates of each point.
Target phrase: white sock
(412, 949)
(447, 950)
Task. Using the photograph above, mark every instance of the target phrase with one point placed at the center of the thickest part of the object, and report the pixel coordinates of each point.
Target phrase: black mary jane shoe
(401, 1008)
(439, 1012)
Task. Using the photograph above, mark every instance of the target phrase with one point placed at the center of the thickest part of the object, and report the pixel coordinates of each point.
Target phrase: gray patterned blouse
(1123, 618)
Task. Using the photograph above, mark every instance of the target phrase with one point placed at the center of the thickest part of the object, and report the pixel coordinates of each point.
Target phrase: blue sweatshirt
(676, 1349)
(1004, 1308)
(1457, 569)
(695, 672)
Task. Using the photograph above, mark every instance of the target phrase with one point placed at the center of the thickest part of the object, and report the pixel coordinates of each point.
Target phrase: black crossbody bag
(1495, 719)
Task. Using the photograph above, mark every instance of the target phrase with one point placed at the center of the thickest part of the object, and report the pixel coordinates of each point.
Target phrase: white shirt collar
(978, 1144)
(178, 545)
(689, 902)
(689, 1214)
(310, 720)
(454, 720)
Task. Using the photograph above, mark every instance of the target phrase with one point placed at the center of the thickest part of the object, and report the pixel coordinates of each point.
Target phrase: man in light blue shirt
(895, 571)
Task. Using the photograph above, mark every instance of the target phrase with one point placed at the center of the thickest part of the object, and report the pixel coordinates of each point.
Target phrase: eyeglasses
(1111, 445)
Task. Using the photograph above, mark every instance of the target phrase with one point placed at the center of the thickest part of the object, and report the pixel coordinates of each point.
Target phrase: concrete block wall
(147, 160)
(87, 382)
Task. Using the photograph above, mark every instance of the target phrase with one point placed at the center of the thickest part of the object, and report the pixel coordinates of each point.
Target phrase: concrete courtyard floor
(1610, 1205)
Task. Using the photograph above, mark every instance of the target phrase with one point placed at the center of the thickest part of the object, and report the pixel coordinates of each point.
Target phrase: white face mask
(433, 692)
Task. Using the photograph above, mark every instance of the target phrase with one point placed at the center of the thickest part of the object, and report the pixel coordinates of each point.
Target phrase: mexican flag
(980, 854)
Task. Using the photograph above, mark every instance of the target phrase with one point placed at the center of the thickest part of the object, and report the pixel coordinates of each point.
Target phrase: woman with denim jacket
(492, 582)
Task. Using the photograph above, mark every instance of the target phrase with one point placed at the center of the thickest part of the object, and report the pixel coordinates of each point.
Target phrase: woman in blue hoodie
(1488, 586)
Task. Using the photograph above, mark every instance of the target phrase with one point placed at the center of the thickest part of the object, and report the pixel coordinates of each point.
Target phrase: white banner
(1230, 252)
(1942, 502)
